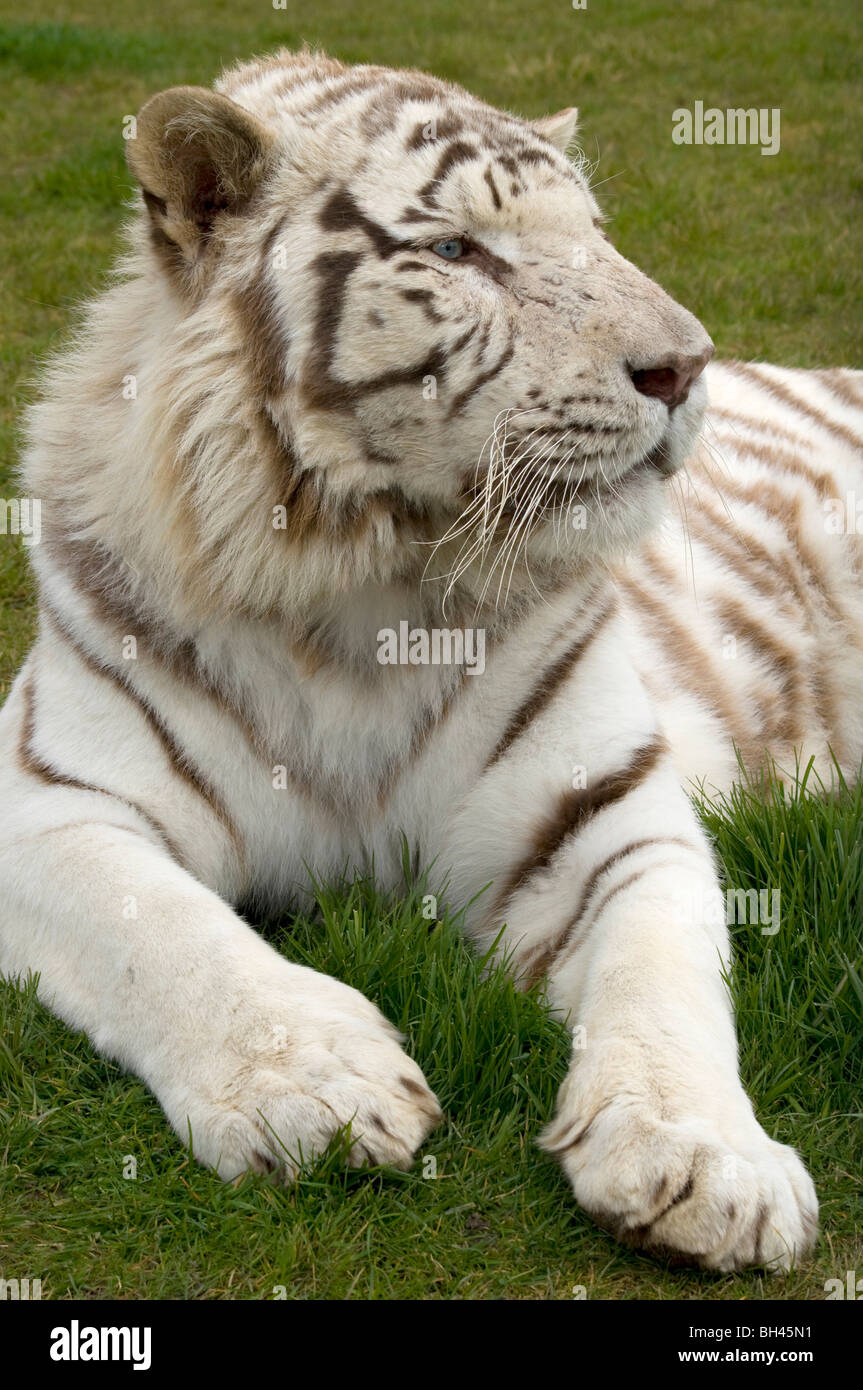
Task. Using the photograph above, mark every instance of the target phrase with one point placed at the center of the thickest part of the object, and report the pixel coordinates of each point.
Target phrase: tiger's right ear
(197, 156)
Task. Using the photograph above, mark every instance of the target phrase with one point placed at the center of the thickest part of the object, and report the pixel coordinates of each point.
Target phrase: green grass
(765, 252)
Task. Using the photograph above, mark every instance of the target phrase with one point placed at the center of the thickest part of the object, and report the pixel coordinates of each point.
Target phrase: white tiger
(372, 361)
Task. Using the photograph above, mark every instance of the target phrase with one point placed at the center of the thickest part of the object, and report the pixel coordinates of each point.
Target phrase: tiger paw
(679, 1190)
(284, 1065)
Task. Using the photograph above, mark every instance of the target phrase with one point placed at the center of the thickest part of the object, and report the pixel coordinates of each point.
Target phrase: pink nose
(672, 378)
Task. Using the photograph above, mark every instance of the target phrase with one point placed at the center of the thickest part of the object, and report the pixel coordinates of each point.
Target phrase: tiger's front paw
(679, 1189)
(282, 1065)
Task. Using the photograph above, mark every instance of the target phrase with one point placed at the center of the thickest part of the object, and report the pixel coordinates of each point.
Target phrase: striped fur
(508, 440)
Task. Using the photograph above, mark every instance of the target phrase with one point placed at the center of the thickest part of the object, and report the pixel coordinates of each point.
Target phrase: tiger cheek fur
(386, 367)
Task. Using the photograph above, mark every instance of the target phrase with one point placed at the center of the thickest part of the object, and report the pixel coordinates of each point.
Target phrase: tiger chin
(372, 360)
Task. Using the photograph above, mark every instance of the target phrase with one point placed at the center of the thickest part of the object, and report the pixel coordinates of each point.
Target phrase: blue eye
(450, 250)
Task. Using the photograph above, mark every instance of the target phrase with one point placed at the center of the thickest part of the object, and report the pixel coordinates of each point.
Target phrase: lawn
(764, 250)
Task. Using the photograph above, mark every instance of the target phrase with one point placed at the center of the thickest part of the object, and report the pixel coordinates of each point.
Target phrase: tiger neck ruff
(371, 372)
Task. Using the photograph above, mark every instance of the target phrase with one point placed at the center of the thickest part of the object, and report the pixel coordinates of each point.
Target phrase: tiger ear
(560, 128)
(196, 154)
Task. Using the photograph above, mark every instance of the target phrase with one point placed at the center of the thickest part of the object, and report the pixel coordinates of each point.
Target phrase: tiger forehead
(399, 119)
(454, 170)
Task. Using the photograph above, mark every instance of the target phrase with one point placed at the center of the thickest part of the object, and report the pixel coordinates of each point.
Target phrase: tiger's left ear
(560, 128)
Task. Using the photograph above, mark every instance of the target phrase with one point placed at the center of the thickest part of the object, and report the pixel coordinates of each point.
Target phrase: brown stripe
(761, 568)
(479, 381)
(324, 391)
(37, 766)
(789, 725)
(626, 883)
(776, 457)
(575, 1133)
(789, 398)
(383, 113)
(340, 89)
(685, 1192)
(99, 576)
(492, 186)
(341, 213)
(176, 755)
(760, 1223)
(104, 581)
(764, 581)
(455, 153)
(847, 389)
(764, 426)
(779, 508)
(782, 659)
(693, 664)
(574, 809)
(429, 724)
(538, 961)
(813, 591)
(549, 684)
(445, 127)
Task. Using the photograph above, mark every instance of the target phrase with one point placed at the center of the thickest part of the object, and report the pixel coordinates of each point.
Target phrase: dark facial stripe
(341, 213)
(342, 89)
(383, 114)
(575, 808)
(421, 215)
(37, 766)
(458, 152)
(781, 393)
(321, 388)
(445, 128)
(550, 683)
(548, 956)
(492, 187)
(478, 382)
(426, 301)
(177, 757)
(532, 154)
(258, 313)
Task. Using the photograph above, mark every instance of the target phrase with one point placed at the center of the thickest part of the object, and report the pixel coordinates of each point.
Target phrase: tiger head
(400, 308)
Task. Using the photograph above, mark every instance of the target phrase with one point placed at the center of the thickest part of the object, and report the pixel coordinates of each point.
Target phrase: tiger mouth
(599, 488)
(546, 491)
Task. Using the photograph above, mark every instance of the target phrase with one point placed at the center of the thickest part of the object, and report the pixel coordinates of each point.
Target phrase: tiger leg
(653, 1128)
(255, 1060)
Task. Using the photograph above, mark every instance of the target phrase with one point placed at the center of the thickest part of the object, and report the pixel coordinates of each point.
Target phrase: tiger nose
(672, 378)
